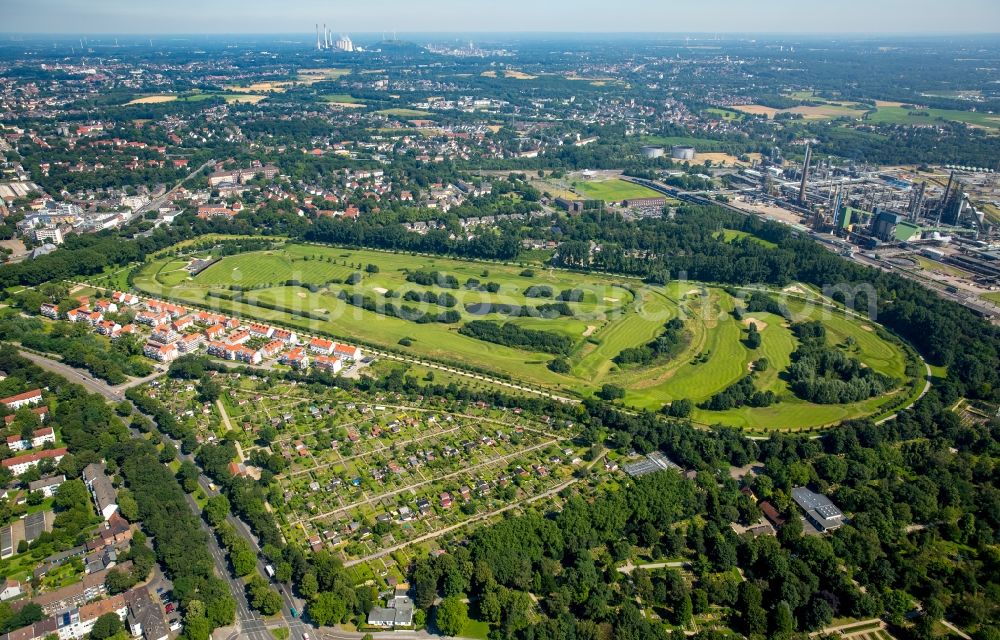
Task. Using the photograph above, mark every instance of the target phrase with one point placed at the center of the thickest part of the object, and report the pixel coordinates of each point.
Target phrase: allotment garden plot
(364, 477)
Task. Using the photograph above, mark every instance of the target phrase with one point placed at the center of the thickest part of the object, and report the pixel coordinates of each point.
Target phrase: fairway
(613, 190)
(304, 286)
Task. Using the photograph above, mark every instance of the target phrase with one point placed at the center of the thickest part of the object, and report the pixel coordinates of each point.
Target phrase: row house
(272, 348)
(125, 299)
(260, 330)
(347, 352)
(49, 311)
(288, 337)
(321, 346)
(332, 364)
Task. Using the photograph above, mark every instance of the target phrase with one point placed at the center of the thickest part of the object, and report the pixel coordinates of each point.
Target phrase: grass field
(903, 115)
(725, 114)
(613, 190)
(993, 296)
(404, 113)
(344, 99)
(933, 265)
(729, 235)
(614, 314)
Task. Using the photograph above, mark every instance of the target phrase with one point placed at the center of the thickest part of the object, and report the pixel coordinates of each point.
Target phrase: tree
(754, 616)
(327, 609)
(117, 581)
(309, 585)
(452, 616)
(217, 509)
(489, 607)
(684, 610)
(611, 392)
(106, 626)
(168, 453)
(197, 628)
(127, 506)
(783, 621)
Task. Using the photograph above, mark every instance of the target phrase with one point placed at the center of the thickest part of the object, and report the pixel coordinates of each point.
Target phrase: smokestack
(805, 176)
(317, 37)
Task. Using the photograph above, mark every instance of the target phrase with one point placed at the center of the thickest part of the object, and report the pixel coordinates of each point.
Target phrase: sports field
(613, 190)
(298, 285)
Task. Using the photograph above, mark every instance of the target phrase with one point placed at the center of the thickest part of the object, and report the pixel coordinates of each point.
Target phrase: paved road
(92, 384)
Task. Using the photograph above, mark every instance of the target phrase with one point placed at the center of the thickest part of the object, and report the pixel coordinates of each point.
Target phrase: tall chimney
(805, 176)
(317, 37)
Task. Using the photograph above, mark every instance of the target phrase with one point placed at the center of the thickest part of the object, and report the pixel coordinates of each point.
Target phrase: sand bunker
(760, 324)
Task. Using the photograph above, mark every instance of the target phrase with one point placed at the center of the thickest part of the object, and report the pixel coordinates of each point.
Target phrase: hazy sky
(457, 16)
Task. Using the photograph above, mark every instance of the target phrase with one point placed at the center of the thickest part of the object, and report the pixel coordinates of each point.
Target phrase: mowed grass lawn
(614, 314)
(717, 357)
(613, 190)
(268, 271)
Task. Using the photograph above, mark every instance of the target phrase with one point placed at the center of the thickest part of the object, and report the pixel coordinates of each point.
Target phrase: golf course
(423, 305)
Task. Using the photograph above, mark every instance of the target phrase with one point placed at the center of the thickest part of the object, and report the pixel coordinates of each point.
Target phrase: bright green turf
(613, 190)
(730, 235)
(620, 319)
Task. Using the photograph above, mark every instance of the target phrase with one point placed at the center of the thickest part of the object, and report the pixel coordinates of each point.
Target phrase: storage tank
(652, 153)
(682, 152)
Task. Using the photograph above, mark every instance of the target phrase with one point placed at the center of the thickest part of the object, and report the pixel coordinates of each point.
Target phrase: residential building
(104, 492)
(322, 346)
(28, 398)
(39, 438)
(20, 464)
(48, 486)
(161, 352)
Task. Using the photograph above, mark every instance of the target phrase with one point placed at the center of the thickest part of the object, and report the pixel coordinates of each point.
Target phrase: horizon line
(716, 34)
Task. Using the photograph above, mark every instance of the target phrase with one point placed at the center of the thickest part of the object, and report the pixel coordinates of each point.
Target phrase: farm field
(825, 111)
(613, 190)
(898, 114)
(302, 286)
